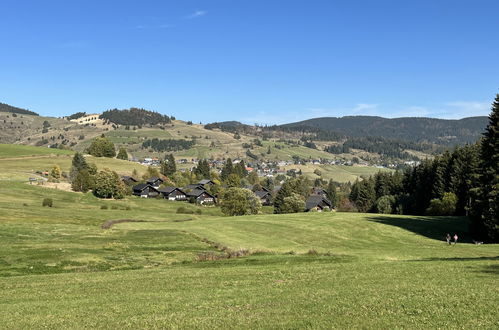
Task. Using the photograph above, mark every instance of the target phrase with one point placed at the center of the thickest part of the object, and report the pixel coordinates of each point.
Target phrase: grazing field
(60, 269)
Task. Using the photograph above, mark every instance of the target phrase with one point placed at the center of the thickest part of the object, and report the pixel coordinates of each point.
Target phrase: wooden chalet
(145, 190)
(319, 191)
(201, 196)
(155, 182)
(173, 193)
(318, 202)
(129, 180)
(265, 197)
(194, 186)
(206, 182)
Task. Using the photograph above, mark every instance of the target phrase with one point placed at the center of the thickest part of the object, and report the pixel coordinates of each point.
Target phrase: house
(319, 191)
(129, 180)
(194, 186)
(265, 197)
(145, 190)
(318, 202)
(173, 193)
(201, 196)
(206, 181)
(155, 182)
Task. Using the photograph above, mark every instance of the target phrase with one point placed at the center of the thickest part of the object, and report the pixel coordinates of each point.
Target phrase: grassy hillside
(60, 269)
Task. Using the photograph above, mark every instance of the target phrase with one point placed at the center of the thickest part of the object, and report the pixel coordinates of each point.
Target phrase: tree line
(462, 182)
(167, 144)
(135, 117)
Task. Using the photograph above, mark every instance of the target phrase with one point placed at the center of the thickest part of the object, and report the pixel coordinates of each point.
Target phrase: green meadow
(60, 269)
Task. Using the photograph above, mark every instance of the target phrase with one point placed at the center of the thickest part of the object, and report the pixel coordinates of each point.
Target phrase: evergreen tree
(331, 192)
(227, 169)
(83, 181)
(122, 154)
(485, 213)
(363, 194)
(168, 166)
(202, 171)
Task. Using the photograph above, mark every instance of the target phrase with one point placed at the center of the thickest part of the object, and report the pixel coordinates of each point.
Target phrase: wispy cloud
(196, 14)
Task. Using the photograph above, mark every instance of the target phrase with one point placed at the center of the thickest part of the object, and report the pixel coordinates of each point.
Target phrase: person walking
(455, 239)
(448, 238)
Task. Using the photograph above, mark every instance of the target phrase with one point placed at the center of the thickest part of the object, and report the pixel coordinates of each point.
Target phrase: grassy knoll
(339, 173)
(14, 151)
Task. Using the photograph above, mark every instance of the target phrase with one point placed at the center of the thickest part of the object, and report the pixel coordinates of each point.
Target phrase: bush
(103, 207)
(239, 201)
(114, 207)
(47, 202)
(198, 211)
(293, 204)
(183, 210)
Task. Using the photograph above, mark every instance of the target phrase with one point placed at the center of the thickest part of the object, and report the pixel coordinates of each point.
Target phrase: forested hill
(8, 108)
(417, 129)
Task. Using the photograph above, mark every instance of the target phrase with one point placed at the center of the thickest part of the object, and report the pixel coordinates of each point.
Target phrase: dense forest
(135, 117)
(168, 144)
(432, 130)
(8, 108)
(76, 115)
(384, 147)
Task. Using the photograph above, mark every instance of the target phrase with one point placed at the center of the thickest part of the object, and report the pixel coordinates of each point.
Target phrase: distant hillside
(439, 131)
(8, 108)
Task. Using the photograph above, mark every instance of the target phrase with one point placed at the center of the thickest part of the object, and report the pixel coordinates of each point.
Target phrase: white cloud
(196, 14)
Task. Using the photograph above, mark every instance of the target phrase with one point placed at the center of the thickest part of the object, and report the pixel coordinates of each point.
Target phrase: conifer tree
(168, 166)
(122, 154)
(227, 169)
(485, 212)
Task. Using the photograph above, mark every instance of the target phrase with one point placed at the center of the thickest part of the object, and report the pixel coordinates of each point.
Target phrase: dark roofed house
(318, 202)
(194, 186)
(319, 191)
(173, 193)
(155, 182)
(265, 197)
(129, 180)
(145, 190)
(201, 196)
(206, 181)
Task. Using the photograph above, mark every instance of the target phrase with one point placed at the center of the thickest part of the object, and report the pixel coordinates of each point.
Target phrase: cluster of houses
(198, 193)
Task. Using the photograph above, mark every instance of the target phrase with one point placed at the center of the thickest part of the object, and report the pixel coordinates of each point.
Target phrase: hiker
(448, 238)
(455, 239)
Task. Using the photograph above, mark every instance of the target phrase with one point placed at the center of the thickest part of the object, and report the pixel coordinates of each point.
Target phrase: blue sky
(257, 61)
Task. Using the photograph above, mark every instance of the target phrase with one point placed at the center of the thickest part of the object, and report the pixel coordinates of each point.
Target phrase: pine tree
(227, 170)
(202, 171)
(331, 192)
(122, 154)
(168, 166)
(485, 211)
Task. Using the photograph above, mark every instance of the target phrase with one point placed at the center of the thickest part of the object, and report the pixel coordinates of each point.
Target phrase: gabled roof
(128, 178)
(319, 190)
(206, 181)
(194, 186)
(198, 192)
(315, 200)
(262, 193)
(169, 190)
(154, 179)
(142, 186)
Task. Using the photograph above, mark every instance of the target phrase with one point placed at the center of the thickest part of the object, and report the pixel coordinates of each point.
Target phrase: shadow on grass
(459, 259)
(492, 269)
(431, 227)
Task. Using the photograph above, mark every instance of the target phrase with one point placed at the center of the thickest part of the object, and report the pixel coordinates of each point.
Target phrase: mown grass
(60, 269)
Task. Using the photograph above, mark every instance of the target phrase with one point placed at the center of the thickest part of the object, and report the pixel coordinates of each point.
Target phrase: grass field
(60, 269)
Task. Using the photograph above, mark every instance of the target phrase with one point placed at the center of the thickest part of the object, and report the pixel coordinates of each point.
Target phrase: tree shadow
(491, 269)
(431, 227)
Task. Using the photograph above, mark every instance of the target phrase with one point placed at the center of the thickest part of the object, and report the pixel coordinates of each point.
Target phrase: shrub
(183, 210)
(128, 208)
(293, 204)
(444, 206)
(114, 207)
(198, 211)
(47, 202)
(103, 207)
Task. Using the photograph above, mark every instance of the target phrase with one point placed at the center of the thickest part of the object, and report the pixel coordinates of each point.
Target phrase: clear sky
(257, 61)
